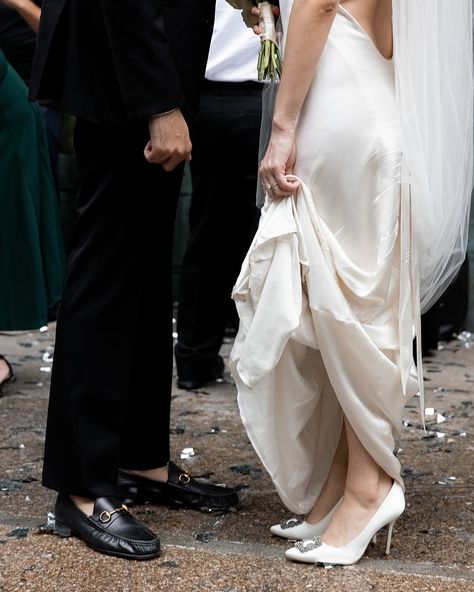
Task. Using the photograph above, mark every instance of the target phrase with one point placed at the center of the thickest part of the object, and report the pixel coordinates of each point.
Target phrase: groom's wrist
(164, 113)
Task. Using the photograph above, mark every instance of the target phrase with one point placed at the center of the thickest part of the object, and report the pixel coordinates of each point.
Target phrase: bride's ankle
(368, 492)
(331, 493)
(325, 503)
(339, 471)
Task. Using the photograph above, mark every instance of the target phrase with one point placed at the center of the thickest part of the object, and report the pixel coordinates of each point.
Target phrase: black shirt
(17, 40)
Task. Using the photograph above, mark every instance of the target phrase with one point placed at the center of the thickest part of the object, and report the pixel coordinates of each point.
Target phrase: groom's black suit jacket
(112, 61)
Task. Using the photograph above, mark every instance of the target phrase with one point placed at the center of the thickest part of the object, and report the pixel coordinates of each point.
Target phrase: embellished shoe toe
(302, 551)
(296, 528)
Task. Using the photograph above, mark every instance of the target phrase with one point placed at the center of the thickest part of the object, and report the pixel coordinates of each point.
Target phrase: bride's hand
(252, 18)
(278, 162)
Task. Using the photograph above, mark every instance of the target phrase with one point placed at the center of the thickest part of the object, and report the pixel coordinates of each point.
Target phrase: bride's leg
(333, 488)
(366, 487)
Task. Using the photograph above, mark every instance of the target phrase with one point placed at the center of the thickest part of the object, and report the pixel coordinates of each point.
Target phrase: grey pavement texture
(433, 547)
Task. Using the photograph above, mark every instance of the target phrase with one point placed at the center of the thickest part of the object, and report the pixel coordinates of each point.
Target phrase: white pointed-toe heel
(313, 550)
(298, 529)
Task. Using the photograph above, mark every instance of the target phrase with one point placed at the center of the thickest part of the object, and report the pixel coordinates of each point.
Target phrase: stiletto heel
(374, 539)
(389, 538)
(313, 550)
(298, 529)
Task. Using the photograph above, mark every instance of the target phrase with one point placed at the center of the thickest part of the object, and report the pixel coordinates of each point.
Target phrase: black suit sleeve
(144, 64)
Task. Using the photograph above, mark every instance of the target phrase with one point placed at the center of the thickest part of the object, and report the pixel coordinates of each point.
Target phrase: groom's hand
(169, 140)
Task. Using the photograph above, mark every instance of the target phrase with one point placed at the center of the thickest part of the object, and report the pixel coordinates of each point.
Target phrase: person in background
(223, 215)
(31, 246)
(19, 24)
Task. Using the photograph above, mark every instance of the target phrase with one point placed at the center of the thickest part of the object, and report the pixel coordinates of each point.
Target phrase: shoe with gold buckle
(111, 529)
(181, 490)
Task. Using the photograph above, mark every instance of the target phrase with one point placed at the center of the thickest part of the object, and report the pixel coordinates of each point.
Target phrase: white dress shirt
(234, 47)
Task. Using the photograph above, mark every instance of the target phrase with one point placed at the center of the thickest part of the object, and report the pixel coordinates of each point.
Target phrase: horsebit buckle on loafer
(184, 478)
(107, 516)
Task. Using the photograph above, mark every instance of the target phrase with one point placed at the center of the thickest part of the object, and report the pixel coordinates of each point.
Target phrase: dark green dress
(31, 247)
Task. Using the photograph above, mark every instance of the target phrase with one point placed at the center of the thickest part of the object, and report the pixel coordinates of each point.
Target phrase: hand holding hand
(169, 140)
(278, 162)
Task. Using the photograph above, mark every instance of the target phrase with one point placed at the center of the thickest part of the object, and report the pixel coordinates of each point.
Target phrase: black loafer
(180, 490)
(110, 529)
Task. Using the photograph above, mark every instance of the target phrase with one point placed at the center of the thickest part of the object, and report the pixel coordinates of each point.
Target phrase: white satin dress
(325, 294)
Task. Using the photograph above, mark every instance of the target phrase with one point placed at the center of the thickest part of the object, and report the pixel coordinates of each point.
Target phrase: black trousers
(223, 219)
(111, 382)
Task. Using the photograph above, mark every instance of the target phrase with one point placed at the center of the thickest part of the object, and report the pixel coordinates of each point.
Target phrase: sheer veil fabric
(329, 293)
(433, 56)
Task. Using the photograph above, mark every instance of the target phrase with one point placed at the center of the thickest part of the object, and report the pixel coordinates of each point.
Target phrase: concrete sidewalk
(433, 548)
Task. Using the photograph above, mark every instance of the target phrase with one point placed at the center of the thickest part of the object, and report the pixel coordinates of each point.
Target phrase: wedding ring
(270, 186)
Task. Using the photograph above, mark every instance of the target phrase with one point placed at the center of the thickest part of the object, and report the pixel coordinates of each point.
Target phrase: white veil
(433, 57)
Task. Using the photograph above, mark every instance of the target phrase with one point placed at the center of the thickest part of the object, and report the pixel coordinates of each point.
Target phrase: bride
(368, 175)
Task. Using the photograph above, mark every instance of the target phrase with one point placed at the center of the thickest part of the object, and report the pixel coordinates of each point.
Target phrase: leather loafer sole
(66, 532)
(153, 497)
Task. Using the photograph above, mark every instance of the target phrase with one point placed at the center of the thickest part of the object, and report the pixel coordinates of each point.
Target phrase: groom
(130, 72)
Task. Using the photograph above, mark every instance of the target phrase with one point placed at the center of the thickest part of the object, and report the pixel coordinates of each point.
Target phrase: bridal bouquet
(269, 59)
